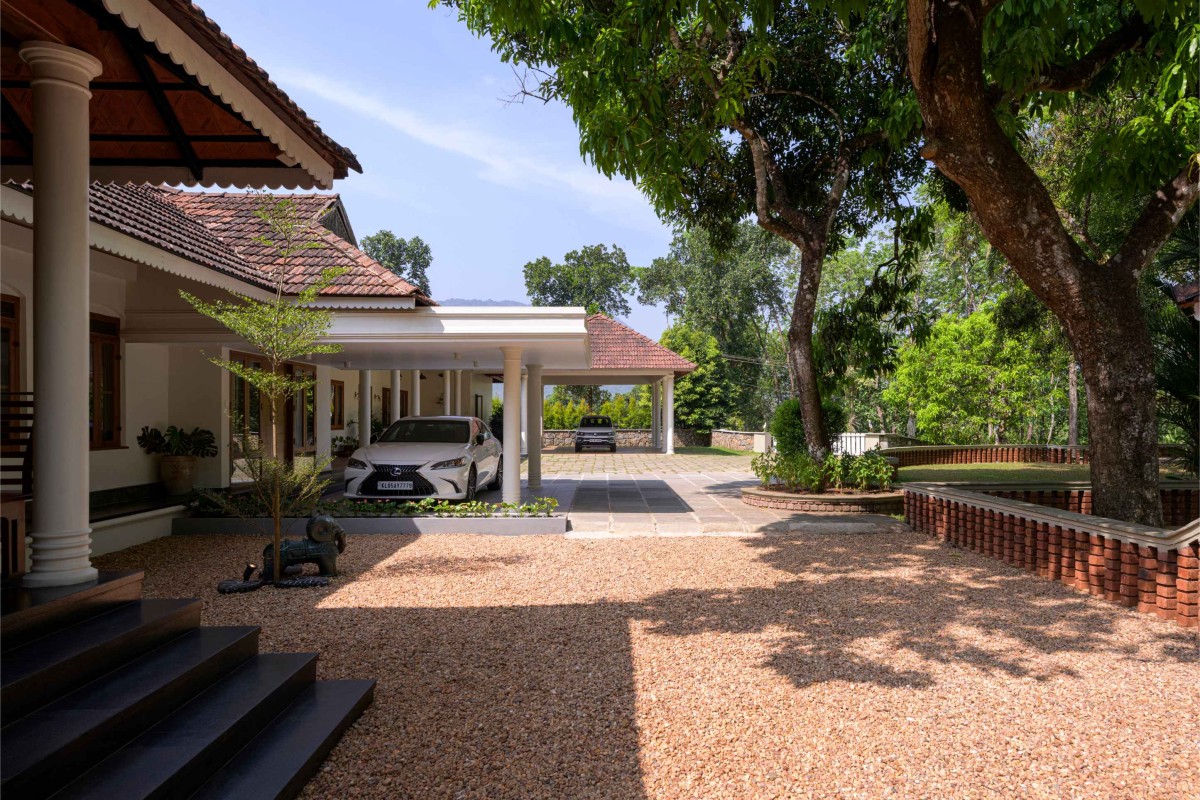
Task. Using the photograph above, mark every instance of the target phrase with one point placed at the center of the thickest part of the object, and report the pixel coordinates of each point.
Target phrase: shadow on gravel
(860, 605)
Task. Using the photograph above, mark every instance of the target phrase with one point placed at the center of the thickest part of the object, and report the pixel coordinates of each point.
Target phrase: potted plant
(179, 450)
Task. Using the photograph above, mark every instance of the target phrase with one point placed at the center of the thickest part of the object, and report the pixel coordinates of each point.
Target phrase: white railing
(854, 444)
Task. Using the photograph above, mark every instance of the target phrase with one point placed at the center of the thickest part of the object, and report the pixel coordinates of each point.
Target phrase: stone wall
(1154, 570)
(829, 503)
(628, 437)
(733, 440)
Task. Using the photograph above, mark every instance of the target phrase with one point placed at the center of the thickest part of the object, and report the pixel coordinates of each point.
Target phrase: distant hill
(458, 301)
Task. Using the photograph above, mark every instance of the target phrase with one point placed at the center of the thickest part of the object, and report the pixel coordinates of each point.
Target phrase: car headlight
(451, 464)
(357, 463)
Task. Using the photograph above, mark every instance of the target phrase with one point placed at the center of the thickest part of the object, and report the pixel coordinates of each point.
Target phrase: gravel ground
(800, 665)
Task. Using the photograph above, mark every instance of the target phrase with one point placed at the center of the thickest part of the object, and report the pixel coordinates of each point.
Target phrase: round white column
(655, 416)
(364, 407)
(414, 394)
(533, 413)
(321, 411)
(458, 403)
(524, 416)
(446, 392)
(512, 424)
(669, 414)
(61, 532)
(397, 389)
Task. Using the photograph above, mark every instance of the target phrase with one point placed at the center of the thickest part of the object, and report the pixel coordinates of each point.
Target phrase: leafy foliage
(197, 442)
(248, 506)
(703, 397)
(408, 258)
(595, 277)
(1176, 373)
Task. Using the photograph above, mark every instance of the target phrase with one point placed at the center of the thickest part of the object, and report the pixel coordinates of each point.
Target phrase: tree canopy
(408, 258)
(595, 277)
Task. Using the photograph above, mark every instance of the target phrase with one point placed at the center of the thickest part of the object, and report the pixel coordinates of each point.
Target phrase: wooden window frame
(96, 342)
(307, 396)
(337, 405)
(386, 405)
(13, 323)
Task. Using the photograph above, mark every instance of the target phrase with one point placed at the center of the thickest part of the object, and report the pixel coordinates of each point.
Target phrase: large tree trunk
(1073, 403)
(801, 361)
(1097, 305)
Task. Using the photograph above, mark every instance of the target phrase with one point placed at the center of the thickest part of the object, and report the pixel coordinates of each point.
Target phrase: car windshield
(438, 431)
(595, 422)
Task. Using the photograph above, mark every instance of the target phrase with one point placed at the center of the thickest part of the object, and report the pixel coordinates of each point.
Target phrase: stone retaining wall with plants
(629, 437)
(825, 503)
(1154, 570)
(733, 440)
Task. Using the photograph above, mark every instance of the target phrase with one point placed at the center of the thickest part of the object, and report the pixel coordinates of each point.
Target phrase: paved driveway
(639, 461)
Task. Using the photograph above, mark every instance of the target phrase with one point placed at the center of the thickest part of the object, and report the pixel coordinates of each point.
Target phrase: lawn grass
(712, 451)
(1008, 473)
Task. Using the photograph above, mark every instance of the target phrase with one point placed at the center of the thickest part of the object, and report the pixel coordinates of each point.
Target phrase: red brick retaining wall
(989, 454)
(1153, 570)
(1180, 505)
(880, 503)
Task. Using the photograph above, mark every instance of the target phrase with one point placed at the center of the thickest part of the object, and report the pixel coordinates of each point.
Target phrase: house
(402, 353)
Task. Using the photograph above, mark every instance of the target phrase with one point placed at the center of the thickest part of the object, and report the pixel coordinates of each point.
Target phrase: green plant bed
(246, 507)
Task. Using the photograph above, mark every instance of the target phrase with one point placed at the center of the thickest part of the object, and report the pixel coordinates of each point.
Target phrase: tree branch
(1158, 219)
(1079, 75)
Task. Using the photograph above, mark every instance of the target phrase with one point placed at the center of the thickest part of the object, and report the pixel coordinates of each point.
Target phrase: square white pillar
(655, 416)
(458, 403)
(512, 425)
(364, 407)
(533, 405)
(669, 414)
(446, 393)
(61, 532)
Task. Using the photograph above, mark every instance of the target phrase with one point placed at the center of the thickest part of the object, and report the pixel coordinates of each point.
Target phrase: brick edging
(877, 503)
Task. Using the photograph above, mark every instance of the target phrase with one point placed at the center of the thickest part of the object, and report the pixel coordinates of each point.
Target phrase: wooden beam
(133, 48)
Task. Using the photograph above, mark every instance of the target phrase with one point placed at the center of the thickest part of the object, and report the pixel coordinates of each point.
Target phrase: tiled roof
(617, 346)
(230, 217)
(209, 34)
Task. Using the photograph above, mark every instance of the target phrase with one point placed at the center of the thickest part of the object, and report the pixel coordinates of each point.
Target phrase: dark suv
(595, 431)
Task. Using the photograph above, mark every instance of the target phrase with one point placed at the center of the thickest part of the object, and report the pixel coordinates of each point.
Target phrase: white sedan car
(444, 457)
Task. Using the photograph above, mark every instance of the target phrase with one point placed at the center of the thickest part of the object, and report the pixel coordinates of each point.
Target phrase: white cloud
(503, 162)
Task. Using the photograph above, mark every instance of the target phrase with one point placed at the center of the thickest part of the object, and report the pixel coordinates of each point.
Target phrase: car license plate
(396, 486)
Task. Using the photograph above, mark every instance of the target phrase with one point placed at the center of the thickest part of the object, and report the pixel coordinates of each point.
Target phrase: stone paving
(650, 494)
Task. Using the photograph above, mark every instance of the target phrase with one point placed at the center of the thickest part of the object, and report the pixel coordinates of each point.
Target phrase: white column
(465, 393)
(397, 388)
(364, 407)
(414, 394)
(655, 416)
(62, 541)
(446, 392)
(321, 410)
(458, 403)
(669, 414)
(512, 424)
(533, 413)
(524, 415)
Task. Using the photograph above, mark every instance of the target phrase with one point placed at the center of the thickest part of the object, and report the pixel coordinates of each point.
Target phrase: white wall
(198, 396)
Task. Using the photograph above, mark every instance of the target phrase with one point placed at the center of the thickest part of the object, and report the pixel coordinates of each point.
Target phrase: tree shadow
(884, 614)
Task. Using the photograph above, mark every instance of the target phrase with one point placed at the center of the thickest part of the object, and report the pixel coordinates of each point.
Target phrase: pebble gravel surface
(797, 665)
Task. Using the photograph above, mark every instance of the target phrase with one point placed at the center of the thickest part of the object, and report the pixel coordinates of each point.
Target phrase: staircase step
(29, 614)
(60, 662)
(281, 760)
(50, 747)
(175, 756)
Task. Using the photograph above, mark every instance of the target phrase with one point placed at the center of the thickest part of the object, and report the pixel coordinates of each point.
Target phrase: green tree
(971, 383)
(1120, 77)
(722, 110)
(702, 398)
(595, 277)
(747, 314)
(282, 329)
(408, 258)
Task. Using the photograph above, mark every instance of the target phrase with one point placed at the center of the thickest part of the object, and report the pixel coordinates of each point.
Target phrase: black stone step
(28, 614)
(175, 757)
(56, 664)
(50, 747)
(281, 760)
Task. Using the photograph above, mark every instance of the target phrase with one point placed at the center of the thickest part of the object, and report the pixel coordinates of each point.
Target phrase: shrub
(837, 470)
(797, 472)
(787, 425)
(871, 469)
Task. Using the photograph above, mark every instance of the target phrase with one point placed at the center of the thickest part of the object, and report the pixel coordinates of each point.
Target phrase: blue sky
(421, 102)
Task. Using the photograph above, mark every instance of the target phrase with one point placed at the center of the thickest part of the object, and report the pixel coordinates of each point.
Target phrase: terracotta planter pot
(178, 474)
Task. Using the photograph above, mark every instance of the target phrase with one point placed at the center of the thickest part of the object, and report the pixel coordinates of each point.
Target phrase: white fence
(856, 444)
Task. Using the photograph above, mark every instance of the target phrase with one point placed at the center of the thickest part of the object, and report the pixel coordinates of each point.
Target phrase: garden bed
(831, 502)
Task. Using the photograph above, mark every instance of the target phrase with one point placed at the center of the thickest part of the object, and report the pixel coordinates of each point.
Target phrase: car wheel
(495, 482)
(612, 448)
(578, 449)
(472, 478)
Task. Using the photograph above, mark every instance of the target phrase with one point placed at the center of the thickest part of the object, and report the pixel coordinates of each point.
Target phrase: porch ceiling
(176, 102)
